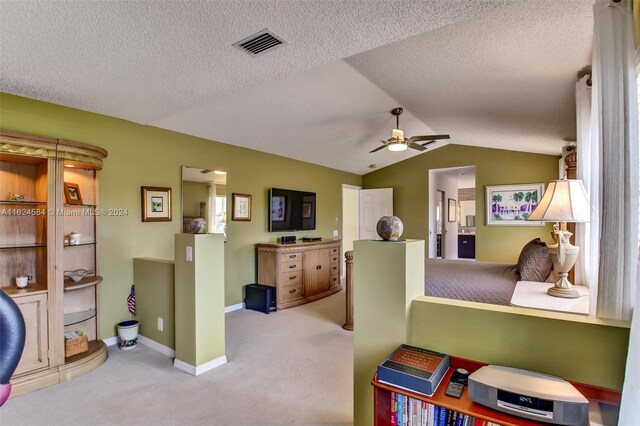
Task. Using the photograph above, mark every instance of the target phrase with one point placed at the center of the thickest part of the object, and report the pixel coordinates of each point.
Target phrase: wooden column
(348, 260)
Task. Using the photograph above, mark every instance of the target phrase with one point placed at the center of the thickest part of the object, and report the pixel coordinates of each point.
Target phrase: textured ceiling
(492, 73)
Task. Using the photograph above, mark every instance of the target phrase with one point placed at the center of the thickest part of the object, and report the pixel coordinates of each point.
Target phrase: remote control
(454, 389)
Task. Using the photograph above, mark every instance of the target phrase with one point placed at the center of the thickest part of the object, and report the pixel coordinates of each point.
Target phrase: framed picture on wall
(510, 205)
(451, 216)
(156, 204)
(241, 207)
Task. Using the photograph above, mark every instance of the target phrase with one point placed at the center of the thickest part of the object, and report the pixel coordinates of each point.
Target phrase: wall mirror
(204, 201)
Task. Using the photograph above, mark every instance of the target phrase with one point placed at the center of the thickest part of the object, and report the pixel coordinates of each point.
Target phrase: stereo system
(287, 239)
(528, 394)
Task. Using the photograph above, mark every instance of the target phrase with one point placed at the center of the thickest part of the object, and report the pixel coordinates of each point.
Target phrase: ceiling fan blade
(428, 143)
(416, 146)
(378, 149)
(428, 137)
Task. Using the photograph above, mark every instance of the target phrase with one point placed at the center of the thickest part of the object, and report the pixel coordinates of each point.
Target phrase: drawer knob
(293, 277)
(292, 266)
(292, 291)
(292, 256)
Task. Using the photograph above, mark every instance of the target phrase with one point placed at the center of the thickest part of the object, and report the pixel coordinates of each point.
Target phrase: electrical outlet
(335, 232)
(189, 256)
(160, 324)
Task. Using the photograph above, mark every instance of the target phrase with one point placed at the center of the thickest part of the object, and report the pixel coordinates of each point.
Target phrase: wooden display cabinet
(33, 228)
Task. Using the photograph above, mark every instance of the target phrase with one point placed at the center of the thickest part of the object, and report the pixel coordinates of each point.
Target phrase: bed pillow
(534, 263)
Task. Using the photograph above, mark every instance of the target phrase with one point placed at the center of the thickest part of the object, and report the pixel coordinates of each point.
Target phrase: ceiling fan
(397, 141)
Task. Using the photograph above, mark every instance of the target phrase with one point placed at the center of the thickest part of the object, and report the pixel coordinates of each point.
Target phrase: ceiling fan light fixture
(397, 146)
(397, 135)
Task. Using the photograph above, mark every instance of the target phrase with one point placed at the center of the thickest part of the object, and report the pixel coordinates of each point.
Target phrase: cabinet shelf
(80, 205)
(88, 281)
(22, 203)
(88, 243)
(21, 246)
(78, 317)
(32, 288)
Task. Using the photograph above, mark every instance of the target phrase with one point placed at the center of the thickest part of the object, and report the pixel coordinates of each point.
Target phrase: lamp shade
(564, 200)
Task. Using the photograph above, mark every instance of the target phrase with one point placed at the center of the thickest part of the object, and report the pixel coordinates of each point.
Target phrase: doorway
(452, 207)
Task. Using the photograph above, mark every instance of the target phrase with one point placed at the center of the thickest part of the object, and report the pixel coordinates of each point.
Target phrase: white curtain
(615, 109)
(587, 234)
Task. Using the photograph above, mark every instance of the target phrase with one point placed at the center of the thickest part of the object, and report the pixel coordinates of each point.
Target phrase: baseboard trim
(232, 308)
(202, 368)
(158, 347)
(110, 341)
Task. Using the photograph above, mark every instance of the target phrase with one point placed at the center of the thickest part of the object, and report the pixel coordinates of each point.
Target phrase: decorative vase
(127, 334)
(198, 226)
(389, 228)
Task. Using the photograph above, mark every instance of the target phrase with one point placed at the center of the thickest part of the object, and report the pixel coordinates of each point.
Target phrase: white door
(373, 204)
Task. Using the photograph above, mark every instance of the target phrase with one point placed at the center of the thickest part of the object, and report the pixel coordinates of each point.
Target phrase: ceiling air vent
(260, 43)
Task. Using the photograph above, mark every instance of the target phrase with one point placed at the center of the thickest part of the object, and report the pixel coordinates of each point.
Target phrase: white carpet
(289, 367)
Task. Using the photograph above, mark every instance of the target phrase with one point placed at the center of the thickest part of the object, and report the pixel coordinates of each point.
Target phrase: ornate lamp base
(563, 255)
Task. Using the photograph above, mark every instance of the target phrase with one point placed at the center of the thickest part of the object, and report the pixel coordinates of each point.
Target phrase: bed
(483, 282)
(487, 282)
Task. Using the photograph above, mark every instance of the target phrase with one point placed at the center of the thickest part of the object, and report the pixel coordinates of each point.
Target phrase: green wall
(192, 194)
(579, 351)
(410, 182)
(155, 298)
(148, 156)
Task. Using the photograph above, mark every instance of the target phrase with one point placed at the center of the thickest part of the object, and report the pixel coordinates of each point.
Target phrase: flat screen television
(291, 210)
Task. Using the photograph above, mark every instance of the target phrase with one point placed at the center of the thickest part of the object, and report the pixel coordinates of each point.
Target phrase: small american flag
(131, 301)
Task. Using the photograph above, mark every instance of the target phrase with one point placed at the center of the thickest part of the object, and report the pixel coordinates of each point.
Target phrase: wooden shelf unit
(32, 234)
(382, 399)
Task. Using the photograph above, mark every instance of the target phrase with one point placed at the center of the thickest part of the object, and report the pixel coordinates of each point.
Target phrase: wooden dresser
(301, 272)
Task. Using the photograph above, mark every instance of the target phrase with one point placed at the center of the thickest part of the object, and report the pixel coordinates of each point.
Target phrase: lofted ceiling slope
(489, 72)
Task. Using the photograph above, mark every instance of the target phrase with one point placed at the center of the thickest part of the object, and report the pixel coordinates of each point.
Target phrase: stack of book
(406, 411)
(416, 369)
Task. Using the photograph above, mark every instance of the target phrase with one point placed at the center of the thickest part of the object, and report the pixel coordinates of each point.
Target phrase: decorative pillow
(534, 263)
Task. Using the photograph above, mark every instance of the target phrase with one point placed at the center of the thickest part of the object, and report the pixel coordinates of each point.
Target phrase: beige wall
(410, 182)
(147, 156)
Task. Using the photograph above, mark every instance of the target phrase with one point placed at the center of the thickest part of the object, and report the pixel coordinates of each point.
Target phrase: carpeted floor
(289, 367)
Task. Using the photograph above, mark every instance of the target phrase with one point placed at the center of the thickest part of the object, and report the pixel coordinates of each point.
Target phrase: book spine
(394, 409)
(450, 418)
(430, 415)
(460, 419)
(443, 416)
(399, 411)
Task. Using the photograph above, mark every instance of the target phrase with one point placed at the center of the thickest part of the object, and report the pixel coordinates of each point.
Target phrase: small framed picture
(72, 193)
(156, 204)
(510, 205)
(451, 216)
(241, 207)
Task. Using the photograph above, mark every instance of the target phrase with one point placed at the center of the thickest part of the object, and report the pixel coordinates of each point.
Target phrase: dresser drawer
(289, 257)
(334, 258)
(291, 278)
(335, 250)
(334, 280)
(334, 268)
(291, 292)
(292, 266)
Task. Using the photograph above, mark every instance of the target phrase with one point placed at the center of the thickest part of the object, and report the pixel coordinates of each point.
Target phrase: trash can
(127, 334)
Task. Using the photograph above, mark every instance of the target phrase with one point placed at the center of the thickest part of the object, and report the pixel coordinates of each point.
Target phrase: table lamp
(565, 200)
